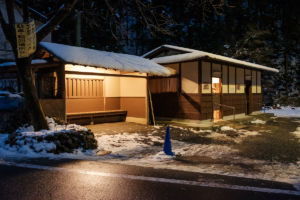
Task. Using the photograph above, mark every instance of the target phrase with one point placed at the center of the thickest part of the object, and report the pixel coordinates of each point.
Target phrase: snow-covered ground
(131, 149)
(285, 112)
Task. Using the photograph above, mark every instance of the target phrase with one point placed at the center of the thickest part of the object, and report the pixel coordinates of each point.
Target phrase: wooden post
(152, 108)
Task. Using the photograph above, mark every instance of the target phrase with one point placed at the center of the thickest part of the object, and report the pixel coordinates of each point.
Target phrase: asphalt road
(73, 179)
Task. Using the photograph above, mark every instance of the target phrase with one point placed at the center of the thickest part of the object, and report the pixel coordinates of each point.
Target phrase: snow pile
(103, 59)
(29, 146)
(195, 54)
(53, 128)
(227, 128)
(258, 121)
(285, 112)
(27, 140)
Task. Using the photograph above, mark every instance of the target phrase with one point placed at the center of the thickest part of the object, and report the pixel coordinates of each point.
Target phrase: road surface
(77, 179)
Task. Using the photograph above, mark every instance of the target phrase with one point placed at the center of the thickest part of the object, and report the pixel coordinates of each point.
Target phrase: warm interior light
(215, 80)
(216, 86)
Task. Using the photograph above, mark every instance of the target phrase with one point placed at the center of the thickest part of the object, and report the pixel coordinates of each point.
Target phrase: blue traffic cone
(167, 145)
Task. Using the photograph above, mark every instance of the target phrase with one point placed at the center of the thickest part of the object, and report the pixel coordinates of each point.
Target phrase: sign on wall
(26, 39)
(205, 85)
(231, 89)
(238, 86)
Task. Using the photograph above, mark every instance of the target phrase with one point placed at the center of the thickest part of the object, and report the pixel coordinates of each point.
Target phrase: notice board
(26, 39)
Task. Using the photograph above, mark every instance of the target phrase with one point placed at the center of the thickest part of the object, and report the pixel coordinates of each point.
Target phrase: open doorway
(248, 93)
(216, 90)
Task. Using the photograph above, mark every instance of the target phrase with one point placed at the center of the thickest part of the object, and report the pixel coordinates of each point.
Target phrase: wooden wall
(190, 106)
(166, 104)
(84, 95)
(174, 103)
(234, 100)
(257, 102)
(206, 106)
(135, 106)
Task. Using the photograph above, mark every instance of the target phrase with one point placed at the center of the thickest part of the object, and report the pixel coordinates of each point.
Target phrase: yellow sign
(26, 39)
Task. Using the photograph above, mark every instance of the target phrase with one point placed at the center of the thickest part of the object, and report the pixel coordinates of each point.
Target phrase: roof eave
(227, 63)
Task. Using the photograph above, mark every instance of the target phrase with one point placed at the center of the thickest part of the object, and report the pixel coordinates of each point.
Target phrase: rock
(40, 138)
(12, 136)
(66, 149)
(49, 138)
(76, 139)
(58, 134)
(81, 132)
(69, 142)
(62, 141)
(90, 132)
(65, 136)
(90, 137)
(103, 152)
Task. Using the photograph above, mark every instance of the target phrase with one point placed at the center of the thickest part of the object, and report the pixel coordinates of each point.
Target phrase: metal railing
(259, 104)
(233, 112)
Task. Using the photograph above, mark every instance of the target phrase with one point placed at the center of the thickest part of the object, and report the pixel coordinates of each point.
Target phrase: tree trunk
(34, 107)
(286, 77)
(38, 119)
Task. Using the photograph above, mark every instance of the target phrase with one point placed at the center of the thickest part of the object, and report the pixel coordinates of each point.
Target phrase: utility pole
(78, 29)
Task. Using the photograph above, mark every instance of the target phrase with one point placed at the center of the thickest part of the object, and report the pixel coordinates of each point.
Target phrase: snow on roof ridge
(171, 47)
(103, 59)
(195, 54)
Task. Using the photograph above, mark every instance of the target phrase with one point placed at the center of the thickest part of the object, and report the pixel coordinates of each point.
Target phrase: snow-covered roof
(36, 61)
(103, 59)
(192, 54)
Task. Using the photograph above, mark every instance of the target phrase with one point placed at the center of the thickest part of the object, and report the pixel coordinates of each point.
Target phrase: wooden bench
(101, 116)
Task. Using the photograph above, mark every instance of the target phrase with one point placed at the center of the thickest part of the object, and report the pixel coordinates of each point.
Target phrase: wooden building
(87, 86)
(202, 84)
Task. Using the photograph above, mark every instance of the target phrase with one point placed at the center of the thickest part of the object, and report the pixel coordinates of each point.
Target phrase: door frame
(221, 96)
(249, 96)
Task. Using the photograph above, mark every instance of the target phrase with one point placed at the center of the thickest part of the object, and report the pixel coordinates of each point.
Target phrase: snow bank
(53, 128)
(195, 54)
(103, 59)
(30, 140)
(285, 112)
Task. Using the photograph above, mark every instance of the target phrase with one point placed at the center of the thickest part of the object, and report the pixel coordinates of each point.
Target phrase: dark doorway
(248, 96)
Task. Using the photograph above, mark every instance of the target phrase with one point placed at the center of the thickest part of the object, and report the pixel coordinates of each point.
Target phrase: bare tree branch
(51, 25)
(25, 11)
(3, 23)
(10, 5)
(208, 6)
(9, 29)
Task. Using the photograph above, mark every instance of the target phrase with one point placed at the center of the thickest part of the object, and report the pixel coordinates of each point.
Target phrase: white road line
(154, 179)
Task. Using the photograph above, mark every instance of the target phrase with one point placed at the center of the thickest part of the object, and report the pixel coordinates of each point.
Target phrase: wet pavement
(74, 179)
